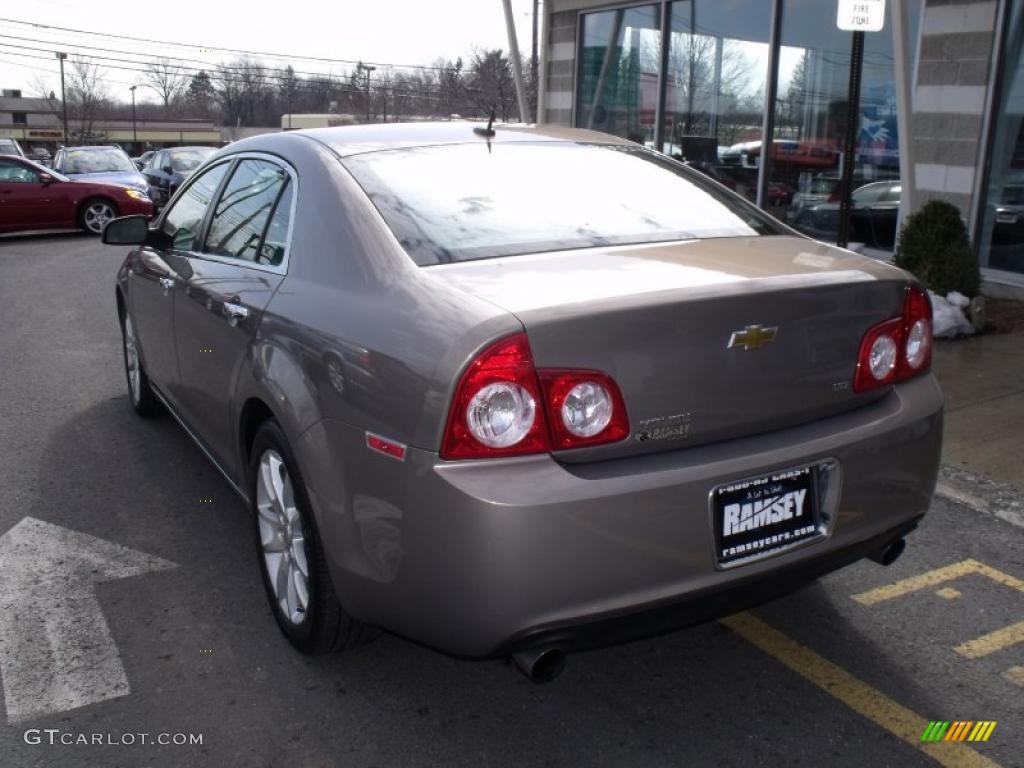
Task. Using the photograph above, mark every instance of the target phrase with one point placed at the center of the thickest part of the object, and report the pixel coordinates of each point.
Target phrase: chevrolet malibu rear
(535, 390)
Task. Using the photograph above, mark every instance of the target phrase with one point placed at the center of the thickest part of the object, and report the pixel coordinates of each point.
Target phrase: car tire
(94, 214)
(286, 540)
(140, 393)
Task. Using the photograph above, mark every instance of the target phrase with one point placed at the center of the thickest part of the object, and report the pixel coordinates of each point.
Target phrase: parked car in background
(11, 147)
(779, 194)
(141, 160)
(167, 168)
(34, 197)
(100, 163)
(874, 210)
(40, 155)
(504, 417)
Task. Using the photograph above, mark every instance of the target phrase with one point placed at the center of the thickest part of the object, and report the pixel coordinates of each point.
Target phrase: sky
(391, 31)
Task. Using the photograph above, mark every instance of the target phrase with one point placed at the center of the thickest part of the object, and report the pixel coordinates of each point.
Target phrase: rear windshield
(472, 201)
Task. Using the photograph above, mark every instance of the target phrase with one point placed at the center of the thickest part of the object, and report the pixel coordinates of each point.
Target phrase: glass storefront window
(1002, 232)
(716, 66)
(715, 85)
(618, 72)
(811, 123)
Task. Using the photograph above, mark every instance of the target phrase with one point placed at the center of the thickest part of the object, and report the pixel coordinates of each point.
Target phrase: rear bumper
(480, 558)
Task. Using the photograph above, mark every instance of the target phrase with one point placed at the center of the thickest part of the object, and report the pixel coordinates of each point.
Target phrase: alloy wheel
(282, 537)
(131, 360)
(97, 215)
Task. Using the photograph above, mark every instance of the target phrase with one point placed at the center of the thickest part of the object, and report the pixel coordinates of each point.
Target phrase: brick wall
(948, 100)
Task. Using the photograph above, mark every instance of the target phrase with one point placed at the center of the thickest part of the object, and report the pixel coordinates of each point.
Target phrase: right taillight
(584, 407)
(504, 406)
(899, 348)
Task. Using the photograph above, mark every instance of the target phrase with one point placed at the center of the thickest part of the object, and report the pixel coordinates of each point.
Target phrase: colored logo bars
(958, 730)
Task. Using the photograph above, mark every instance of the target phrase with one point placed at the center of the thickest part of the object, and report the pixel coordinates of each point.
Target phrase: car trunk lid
(708, 340)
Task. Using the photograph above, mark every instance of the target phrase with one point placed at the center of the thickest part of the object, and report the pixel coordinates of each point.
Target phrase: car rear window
(475, 201)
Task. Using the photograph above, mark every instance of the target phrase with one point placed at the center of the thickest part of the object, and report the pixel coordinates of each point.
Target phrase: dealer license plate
(755, 518)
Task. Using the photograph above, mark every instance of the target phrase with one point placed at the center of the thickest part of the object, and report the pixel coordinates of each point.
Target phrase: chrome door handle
(235, 311)
(167, 284)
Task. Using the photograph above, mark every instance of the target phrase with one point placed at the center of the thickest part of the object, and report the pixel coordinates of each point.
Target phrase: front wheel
(143, 400)
(95, 214)
(291, 555)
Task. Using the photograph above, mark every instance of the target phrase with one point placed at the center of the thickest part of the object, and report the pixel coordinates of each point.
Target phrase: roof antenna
(489, 130)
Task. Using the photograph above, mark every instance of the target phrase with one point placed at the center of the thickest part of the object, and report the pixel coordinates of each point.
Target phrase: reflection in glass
(1002, 233)
(715, 83)
(618, 72)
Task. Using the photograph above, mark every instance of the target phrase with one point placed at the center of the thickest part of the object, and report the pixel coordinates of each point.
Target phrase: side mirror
(127, 230)
(45, 178)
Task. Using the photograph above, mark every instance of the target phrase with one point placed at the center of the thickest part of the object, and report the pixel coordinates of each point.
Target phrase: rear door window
(245, 209)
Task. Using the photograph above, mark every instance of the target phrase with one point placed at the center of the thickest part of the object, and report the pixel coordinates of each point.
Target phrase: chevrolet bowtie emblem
(752, 337)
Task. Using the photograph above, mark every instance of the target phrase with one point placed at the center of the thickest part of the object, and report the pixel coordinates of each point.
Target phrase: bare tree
(167, 79)
(87, 98)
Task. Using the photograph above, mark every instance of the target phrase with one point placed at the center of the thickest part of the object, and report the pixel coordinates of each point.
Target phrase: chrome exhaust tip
(541, 665)
(890, 553)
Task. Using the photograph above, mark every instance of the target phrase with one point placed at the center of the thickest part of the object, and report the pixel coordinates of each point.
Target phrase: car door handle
(167, 284)
(235, 311)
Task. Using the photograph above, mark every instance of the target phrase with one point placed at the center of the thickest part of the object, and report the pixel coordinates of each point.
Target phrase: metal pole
(903, 71)
(517, 64)
(542, 65)
(771, 92)
(535, 64)
(659, 106)
(367, 69)
(850, 142)
(63, 97)
(135, 133)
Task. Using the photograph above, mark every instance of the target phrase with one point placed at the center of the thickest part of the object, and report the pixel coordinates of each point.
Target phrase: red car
(34, 197)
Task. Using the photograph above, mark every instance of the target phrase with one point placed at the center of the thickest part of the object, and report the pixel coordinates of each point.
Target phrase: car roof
(357, 139)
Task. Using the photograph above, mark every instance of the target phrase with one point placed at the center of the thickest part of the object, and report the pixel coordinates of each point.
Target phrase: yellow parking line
(992, 642)
(936, 577)
(1015, 675)
(1003, 578)
(856, 694)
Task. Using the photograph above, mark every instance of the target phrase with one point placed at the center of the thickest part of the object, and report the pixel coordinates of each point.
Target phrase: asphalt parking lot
(176, 638)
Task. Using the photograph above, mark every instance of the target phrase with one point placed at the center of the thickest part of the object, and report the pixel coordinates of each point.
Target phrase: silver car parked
(524, 390)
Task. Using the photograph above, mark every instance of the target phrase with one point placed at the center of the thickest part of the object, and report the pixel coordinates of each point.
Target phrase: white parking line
(1012, 516)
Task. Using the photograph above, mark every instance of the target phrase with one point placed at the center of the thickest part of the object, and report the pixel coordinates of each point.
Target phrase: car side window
(154, 161)
(16, 173)
(275, 239)
(185, 218)
(244, 211)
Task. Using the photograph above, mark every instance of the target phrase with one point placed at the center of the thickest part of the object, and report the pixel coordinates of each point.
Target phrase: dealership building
(939, 89)
(35, 122)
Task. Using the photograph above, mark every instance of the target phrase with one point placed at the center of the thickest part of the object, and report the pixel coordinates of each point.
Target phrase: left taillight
(899, 348)
(504, 406)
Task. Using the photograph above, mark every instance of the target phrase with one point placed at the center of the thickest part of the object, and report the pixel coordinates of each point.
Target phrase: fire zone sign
(861, 15)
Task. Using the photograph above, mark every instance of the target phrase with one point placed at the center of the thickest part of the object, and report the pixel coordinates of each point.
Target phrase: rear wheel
(291, 555)
(141, 393)
(95, 213)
